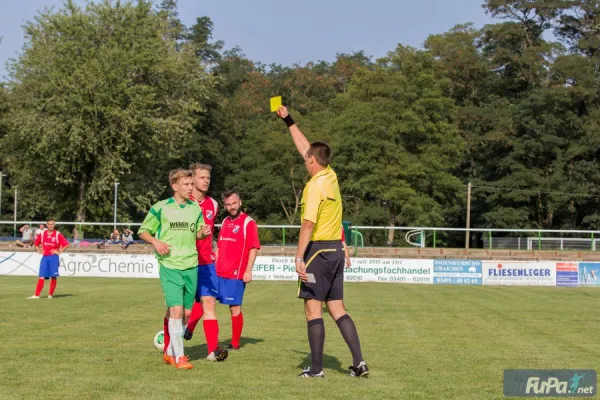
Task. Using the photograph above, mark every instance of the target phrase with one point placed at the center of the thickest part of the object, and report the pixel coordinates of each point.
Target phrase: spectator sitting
(115, 237)
(26, 238)
(127, 238)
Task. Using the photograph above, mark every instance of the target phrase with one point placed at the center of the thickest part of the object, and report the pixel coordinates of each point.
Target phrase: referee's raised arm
(301, 142)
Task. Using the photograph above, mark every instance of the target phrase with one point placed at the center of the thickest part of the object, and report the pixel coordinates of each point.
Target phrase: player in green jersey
(172, 227)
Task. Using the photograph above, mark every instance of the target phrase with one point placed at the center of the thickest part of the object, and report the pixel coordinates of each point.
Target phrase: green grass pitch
(94, 340)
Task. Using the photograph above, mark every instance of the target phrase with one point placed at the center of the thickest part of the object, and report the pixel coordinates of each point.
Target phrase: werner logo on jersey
(182, 226)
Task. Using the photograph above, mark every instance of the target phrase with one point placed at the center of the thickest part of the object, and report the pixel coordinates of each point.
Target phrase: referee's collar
(322, 172)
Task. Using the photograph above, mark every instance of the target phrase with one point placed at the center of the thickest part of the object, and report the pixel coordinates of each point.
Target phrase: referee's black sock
(316, 339)
(350, 335)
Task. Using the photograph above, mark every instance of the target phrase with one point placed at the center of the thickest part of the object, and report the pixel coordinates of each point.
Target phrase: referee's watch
(298, 259)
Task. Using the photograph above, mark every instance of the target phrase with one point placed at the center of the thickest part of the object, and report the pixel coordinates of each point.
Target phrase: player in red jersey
(238, 246)
(206, 255)
(50, 244)
(207, 275)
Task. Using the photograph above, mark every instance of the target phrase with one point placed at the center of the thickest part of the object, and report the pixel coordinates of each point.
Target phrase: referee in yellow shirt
(320, 257)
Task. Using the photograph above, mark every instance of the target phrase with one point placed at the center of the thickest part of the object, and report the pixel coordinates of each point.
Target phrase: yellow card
(275, 103)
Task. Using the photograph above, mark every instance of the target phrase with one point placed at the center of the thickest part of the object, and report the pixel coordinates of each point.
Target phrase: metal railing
(532, 239)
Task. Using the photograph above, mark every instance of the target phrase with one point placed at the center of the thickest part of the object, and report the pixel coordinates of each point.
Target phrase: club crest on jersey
(209, 214)
(236, 229)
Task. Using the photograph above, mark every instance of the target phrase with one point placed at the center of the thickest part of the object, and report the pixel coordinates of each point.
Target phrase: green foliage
(97, 96)
(395, 139)
(125, 92)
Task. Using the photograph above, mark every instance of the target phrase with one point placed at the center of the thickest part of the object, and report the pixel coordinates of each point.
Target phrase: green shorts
(179, 286)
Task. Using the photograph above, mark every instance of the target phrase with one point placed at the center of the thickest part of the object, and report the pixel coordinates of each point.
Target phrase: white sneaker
(50, 296)
(33, 297)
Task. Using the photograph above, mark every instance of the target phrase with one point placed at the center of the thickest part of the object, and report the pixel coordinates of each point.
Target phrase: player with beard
(238, 246)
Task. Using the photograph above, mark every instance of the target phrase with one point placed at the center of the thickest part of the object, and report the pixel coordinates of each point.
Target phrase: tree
(395, 139)
(578, 26)
(200, 35)
(3, 113)
(262, 161)
(579, 72)
(99, 95)
(459, 59)
(168, 11)
(527, 134)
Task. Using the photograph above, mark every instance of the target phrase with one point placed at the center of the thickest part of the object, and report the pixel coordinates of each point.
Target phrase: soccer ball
(159, 340)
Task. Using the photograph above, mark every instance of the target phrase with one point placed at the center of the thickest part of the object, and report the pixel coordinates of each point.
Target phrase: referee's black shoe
(307, 374)
(360, 370)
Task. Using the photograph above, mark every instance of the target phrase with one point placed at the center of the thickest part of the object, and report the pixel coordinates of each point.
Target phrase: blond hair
(177, 174)
(199, 166)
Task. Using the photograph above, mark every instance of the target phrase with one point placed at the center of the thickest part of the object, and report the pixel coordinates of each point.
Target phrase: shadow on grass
(248, 340)
(58, 296)
(329, 362)
(200, 351)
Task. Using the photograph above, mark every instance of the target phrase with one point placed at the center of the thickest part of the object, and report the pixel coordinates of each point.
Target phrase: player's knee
(176, 312)
(235, 310)
(338, 314)
(336, 309)
(312, 314)
(312, 309)
(208, 304)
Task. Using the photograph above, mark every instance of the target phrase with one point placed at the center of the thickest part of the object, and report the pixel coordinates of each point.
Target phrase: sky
(285, 33)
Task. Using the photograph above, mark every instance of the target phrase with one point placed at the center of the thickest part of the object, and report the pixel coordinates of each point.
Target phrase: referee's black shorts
(325, 263)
